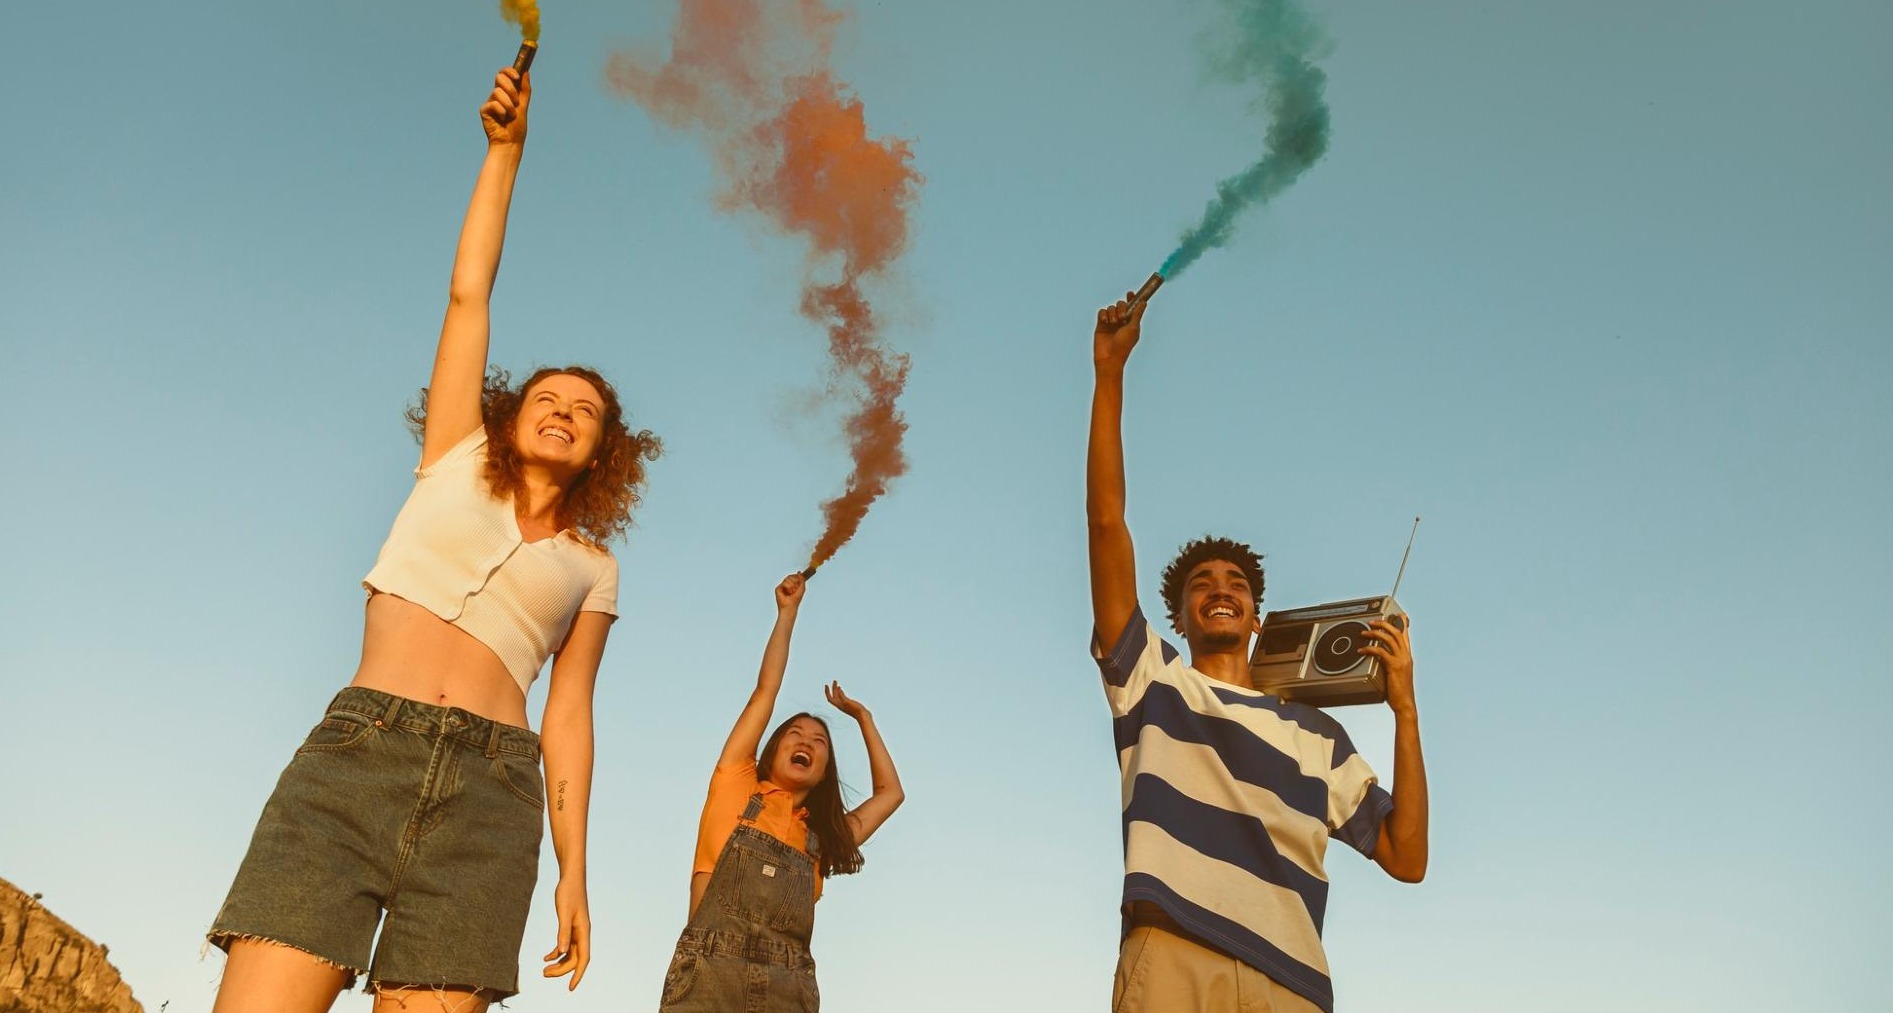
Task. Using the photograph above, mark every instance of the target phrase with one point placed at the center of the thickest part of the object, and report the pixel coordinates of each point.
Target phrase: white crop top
(456, 551)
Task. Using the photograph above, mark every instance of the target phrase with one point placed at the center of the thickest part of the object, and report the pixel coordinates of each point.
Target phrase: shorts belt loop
(388, 716)
(493, 741)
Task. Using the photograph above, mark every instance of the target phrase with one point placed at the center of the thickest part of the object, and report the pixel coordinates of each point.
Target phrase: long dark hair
(837, 853)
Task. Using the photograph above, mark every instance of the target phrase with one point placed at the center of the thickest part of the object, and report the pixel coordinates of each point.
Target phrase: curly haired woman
(773, 829)
(417, 804)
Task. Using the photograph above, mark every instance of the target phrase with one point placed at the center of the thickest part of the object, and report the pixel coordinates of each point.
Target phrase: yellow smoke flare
(525, 14)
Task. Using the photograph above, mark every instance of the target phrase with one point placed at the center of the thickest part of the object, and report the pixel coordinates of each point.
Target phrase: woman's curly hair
(1203, 550)
(598, 504)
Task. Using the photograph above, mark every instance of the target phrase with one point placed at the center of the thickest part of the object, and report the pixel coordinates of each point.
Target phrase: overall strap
(753, 810)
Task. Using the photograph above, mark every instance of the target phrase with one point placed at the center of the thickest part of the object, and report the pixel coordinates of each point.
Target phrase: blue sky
(1600, 290)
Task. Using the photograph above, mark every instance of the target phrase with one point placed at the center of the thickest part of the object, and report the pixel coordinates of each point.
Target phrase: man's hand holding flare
(1119, 326)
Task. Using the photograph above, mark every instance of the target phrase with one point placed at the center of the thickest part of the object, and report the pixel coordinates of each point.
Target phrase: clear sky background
(1601, 290)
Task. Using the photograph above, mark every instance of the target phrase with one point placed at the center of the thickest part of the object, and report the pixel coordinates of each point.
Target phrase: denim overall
(746, 947)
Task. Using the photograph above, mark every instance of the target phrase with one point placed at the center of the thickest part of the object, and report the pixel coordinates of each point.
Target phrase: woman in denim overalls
(774, 827)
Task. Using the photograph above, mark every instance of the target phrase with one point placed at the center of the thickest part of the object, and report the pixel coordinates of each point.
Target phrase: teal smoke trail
(1273, 44)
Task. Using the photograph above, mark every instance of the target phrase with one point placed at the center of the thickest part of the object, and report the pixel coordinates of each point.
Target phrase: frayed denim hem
(222, 941)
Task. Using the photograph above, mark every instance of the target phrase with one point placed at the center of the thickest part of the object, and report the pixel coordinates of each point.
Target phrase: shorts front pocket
(1127, 983)
(520, 775)
(336, 732)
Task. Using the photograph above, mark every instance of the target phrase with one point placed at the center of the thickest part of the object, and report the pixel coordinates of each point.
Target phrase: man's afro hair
(1203, 550)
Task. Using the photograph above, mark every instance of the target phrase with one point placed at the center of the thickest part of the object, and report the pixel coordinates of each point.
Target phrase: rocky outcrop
(46, 966)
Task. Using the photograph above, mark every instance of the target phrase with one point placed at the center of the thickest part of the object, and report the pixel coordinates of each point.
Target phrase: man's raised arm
(1113, 563)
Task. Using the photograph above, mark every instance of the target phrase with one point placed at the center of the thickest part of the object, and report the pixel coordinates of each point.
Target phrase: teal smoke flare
(1273, 44)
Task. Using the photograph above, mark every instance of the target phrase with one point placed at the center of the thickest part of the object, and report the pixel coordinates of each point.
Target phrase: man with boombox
(1230, 794)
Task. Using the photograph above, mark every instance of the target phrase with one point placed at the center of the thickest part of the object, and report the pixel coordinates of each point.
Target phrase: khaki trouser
(1161, 972)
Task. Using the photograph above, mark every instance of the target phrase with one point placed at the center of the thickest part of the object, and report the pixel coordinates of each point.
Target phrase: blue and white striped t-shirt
(1230, 797)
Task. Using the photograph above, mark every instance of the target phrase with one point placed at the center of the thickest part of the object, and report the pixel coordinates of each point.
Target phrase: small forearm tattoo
(561, 806)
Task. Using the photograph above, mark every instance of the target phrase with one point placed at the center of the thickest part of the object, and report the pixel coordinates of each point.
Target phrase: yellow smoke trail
(525, 14)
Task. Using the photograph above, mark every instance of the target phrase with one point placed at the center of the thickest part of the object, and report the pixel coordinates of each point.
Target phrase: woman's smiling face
(560, 423)
(801, 758)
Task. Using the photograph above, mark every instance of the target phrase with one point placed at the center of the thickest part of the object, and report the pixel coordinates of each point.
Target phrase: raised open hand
(843, 702)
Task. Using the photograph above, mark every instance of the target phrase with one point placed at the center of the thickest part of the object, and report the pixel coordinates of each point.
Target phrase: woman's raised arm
(453, 392)
(867, 817)
(747, 735)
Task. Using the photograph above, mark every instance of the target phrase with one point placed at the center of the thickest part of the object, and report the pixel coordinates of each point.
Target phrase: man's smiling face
(1218, 612)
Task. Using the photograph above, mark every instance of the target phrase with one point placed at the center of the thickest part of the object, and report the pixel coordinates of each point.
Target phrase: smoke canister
(523, 62)
(1151, 285)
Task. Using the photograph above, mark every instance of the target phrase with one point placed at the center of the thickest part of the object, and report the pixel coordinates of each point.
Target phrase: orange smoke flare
(792, 143)
(525, 14)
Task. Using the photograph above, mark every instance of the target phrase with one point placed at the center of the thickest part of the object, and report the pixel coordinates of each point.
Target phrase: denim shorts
(430, 814)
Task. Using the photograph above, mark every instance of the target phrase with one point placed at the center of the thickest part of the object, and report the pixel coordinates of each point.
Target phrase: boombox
(1312, 655)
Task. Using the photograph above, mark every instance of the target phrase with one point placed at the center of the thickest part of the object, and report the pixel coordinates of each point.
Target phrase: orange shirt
(730, 790)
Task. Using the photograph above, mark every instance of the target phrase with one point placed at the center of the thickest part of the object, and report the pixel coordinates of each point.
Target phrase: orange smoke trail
(792, 143)
(525, 14)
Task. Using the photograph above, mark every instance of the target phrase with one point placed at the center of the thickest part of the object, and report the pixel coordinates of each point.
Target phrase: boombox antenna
(1403, 558)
